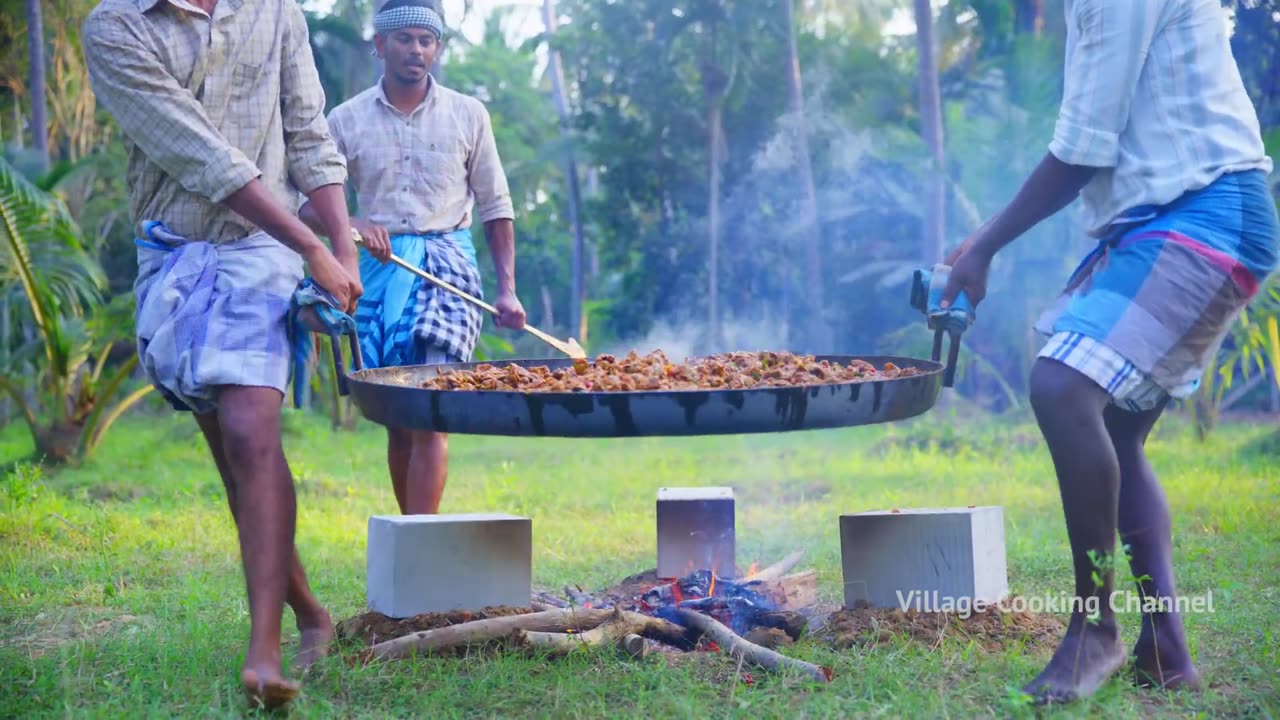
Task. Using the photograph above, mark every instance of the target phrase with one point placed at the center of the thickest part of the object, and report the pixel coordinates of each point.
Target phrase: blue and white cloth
(1146, 311)
(213, 314)
(408, 16)
(332, 321)
(405, 320)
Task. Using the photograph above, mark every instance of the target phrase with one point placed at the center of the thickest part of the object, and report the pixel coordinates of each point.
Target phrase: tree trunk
(58, 441)
(578, 298)
(5, 407)
(715, 87)
(39, 122)
(817, 332)
(931, 128)
(715, 138)
(1028, 17)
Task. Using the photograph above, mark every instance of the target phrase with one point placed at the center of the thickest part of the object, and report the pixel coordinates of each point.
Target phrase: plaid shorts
(1130, 389)
(432, 355)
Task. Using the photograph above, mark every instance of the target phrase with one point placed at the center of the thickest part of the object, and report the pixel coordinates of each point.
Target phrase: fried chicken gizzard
(727, 371)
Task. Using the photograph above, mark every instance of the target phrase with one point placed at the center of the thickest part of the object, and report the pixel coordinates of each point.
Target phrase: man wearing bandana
(419, 157)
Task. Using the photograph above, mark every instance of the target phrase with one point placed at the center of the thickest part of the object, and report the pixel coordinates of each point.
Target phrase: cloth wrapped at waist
(403, 319)
(1162, 288)
(210, 315)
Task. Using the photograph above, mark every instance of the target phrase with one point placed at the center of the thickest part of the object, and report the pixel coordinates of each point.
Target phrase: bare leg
(314, 623)
(428, 468)
(1069, 408)
(1163, 659)
(249, 424)
(399, 450)
(419, 462)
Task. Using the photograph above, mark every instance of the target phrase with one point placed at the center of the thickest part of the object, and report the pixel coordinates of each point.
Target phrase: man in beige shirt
(420, 156)
(222, 111)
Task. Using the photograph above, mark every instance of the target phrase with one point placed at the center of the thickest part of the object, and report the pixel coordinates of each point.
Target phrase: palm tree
(39, 125)
(59, 379)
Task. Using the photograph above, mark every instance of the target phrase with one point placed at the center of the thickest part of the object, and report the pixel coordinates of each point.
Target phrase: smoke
(870, 182)
(683, 340)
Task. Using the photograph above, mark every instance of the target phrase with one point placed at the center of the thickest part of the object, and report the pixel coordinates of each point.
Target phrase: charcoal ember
(698, 583)
(660, 596)
(738, 613)
(581, 599)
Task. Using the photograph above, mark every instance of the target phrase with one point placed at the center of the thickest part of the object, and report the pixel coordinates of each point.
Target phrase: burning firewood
(678, 613)
(480, 632)
(745, 650)
(626, 631)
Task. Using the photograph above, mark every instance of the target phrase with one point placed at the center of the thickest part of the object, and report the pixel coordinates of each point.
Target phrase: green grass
(121, 593)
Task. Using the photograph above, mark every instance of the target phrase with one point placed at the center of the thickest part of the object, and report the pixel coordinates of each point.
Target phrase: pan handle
(353, 342)
(953, 353)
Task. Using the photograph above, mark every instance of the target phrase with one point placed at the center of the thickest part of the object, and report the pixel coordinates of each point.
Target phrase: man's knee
(436, 441)
(1057, 388)
(249, 422)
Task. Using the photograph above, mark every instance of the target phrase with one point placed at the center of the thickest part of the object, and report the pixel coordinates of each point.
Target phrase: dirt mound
(372, 628)
(994, 628)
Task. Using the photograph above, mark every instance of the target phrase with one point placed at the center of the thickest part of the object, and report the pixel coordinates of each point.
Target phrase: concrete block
(436, 563)
(945, 555)
(696, 531)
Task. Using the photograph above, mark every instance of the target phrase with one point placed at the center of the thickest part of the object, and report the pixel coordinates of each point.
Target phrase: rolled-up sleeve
(1107, 49)
(160, 116)
(312, 155)
(485, 175)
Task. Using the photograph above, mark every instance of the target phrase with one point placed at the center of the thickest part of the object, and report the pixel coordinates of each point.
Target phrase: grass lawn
(121, 591)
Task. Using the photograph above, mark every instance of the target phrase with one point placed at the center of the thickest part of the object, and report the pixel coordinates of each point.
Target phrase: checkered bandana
(408, 16)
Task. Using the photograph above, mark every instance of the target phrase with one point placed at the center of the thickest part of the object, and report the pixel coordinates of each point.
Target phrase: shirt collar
(428, 101)
(147, 5)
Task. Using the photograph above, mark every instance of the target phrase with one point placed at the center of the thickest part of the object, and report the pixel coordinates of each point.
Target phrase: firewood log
(791, 592)
(625, 630)
(748, 652)
(479, 632)
(778, 569)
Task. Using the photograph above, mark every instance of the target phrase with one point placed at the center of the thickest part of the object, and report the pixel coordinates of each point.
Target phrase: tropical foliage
(699, 173)
(62, 379)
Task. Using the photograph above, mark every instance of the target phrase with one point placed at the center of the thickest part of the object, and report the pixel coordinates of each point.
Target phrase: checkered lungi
(210, 315)
(405, 320)
(1147, 310)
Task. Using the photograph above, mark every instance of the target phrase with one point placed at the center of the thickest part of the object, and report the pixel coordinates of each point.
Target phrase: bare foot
(1162, 660)
(1089, 654)
(317, 633)
(267, 690)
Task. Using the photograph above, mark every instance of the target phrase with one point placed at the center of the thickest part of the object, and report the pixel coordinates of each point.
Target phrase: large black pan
(394, 397)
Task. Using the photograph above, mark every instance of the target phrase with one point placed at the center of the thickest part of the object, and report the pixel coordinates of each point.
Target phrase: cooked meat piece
(735, 370)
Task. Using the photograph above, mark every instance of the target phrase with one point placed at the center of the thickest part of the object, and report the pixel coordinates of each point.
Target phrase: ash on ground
(994, 628)
(371, 628)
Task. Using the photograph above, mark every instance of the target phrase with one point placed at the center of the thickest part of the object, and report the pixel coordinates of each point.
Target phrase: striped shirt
(1152, 97)
(208, 104)
(422, 172)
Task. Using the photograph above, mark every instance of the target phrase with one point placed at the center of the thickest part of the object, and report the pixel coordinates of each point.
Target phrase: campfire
(762, 599)
(744, 617)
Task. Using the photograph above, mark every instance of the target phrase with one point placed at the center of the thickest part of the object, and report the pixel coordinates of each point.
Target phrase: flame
(711, 591)
(675, 589)
(751, 571)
